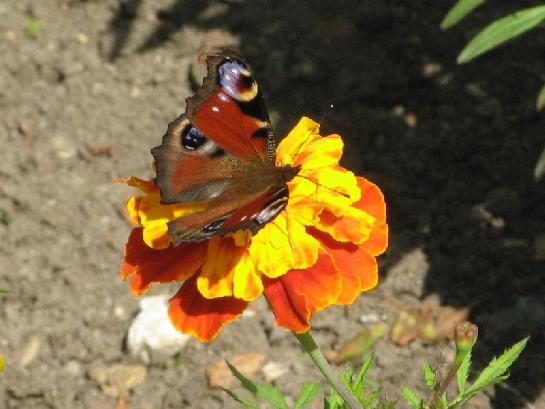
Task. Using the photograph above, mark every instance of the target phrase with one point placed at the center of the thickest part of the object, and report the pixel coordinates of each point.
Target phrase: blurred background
(87, 88)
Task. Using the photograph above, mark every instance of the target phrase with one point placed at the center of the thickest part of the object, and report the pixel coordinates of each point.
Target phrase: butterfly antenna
(326, 113)
(323, 186)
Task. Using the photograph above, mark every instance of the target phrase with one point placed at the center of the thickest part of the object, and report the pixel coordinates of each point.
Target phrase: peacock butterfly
(221, 151)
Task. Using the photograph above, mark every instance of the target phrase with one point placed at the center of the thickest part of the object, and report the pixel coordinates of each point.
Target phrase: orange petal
(371, 200)
(357, 267)
(353, 226)
(290, 309)
(146, 186)
(377, 242)
(193, 314)
(149, 266)
(320, 283)
(216, 278)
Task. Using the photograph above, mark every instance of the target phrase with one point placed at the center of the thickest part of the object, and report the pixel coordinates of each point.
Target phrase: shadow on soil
(460, 137)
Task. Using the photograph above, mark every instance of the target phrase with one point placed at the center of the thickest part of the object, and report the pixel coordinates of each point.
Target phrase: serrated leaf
(498, 366)
(309, 391)
(245, 402)
(540, 100)
(461, 9)
(430, 377)
(502, 30)
(463, 373)
(539, 170)
(272, 395)
(411, 397)
(494, 373)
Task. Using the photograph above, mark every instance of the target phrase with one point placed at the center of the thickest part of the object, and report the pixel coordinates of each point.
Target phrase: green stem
(309, 345)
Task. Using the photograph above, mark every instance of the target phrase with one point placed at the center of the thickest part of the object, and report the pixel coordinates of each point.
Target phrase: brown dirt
(84, 99)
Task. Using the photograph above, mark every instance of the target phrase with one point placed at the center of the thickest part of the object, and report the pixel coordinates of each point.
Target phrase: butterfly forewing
(221, 151)
(230, 109)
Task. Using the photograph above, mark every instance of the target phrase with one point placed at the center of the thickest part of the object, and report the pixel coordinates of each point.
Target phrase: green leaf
(359, 382)
(540, 101)
(266, 392)
(463, 373)
(245, 402)
(430, 377)
(411, 397)
(502, 30)
(272, 395)
(33, 27)
(494, 373)
(5, 217)
(461, 9)
(309, 391)
(246, 383)
(498, 366)
(333, 400)
(539, 170)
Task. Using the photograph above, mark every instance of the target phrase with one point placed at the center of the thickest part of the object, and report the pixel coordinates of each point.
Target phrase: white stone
(151, 331)
(273, 370)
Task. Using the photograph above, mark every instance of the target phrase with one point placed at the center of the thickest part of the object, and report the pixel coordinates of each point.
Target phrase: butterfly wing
(221, 150)
(246, 211)
(230, 109)
(225, 125)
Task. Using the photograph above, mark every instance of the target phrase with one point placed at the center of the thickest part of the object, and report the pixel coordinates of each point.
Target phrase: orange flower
(319, 251)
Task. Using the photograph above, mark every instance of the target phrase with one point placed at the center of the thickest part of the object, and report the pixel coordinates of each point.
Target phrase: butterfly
(221, 151)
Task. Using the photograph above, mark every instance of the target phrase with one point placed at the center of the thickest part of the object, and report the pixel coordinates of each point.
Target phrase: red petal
(320, 283)
(290, 309)
(357, 267)
(193, 314)
(150, 266)
(136, 252)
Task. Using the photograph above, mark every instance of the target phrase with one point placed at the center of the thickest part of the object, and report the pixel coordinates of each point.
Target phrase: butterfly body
(221, 152)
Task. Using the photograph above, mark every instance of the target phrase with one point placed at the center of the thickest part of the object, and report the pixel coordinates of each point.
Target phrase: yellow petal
(283, 245)
(247, 283)
(156, 235)
(320, 152)
(133, 206)
(305, 131)
(216, 278)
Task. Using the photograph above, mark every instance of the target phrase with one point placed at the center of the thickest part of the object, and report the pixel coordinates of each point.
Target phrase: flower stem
(309, 345)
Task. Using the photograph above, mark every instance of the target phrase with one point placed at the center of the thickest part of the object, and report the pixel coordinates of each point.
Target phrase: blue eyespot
(192, 139)
(235, 79)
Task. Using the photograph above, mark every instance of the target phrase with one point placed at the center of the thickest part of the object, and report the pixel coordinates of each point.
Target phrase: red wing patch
(221, 118)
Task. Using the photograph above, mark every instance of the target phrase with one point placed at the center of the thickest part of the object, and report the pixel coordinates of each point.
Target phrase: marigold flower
(319, 251)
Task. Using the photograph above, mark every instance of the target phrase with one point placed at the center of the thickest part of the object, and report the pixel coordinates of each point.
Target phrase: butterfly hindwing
(250, 211)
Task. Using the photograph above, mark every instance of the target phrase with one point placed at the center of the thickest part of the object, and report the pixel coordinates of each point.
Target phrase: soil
(88, 87)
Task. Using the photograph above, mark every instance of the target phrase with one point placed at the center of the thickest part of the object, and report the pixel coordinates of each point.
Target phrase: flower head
(319, 251)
